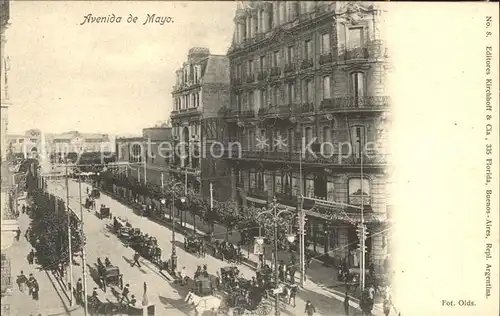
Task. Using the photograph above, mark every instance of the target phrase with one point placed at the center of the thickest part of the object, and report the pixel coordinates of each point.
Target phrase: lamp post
(173, 258)
(273, 211)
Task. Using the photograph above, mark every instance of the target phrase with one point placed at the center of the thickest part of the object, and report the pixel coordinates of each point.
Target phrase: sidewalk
(52, 299)
(320, 279)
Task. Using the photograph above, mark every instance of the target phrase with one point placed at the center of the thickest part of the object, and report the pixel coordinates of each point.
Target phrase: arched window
(358, 138)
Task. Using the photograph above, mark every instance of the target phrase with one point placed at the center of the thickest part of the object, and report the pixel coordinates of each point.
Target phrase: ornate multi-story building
(201, 91)
(310, 111)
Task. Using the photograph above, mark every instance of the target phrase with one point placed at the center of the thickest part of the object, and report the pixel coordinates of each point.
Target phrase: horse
(203, 304)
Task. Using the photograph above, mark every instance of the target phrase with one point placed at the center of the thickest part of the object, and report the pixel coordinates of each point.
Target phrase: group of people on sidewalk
(30, 283)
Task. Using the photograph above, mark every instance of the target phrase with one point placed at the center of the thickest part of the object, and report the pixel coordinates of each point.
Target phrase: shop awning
(344, 214)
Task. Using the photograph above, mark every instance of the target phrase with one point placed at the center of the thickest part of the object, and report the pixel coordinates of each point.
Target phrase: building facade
(310, 112)
(201, 91)
(26, 144)
(148, 155)
(73, 143)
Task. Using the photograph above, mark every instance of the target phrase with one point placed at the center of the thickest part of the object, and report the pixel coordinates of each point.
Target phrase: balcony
(236, 81)
(311, 157)
(246, 113)
(306, 63)
(250, 78)
(325, 59)
(289, 68)
(275, 71)
(327, 104)
(280, 110)
(372, 49)
(304, 108)
(356, 53)
(373, 102)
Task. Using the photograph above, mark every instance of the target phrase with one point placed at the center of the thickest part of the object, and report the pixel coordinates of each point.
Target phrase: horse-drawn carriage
(90, 203)
(103, 212)
(95, 193)
(240, 294)
(109, 275)
(226, 250)
(146, 246)
(202, 296)
(193, 244)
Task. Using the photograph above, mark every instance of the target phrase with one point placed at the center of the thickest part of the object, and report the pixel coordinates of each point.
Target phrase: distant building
(148, 155)
(26, 145)
(201, 91)
(74, 142)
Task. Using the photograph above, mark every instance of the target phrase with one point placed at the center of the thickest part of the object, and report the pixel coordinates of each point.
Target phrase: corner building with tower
(309, 106)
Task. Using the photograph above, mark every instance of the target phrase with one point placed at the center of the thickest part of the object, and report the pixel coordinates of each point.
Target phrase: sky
(110, 78)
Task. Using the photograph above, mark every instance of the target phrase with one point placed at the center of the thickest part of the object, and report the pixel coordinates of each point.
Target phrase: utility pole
(302, 259)
(211, 202)
(69, 237)
(84, 271)
(362, 279)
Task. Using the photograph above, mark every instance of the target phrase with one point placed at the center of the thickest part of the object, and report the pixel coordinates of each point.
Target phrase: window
(250, 99)
(326, 87)
(308, 49)
(325, 44)
(275, 95)
(355, 38)
(262, 98)
(291, 93)
(291, 139)
(327, 140)
(238, 101)
(290, 55)
(308, 91)
(358, 87)
(282, 13)
(262, 63)
(250, 67)
(251, 140)
(276, 58)
(308, 134)
(238, 71)
(359, 191)
(358, 140)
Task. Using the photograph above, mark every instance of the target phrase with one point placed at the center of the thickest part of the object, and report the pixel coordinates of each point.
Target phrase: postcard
(249, 158)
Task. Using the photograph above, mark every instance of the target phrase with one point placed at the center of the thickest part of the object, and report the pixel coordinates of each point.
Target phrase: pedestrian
(136, 260)
(293, 294)
(346, 303)
(24, 208)
(36, 288)
(217, 280)
(182, 275)
(292, 272)
(79, 290)
(21, 281)
(125, 293)
(387, 307)
(30, 283)
(133, 301)
(309, 310)
(31, 257)
(18, 233)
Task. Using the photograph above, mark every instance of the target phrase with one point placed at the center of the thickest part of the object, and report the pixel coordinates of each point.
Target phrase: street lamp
(173, 258)
(273, 211)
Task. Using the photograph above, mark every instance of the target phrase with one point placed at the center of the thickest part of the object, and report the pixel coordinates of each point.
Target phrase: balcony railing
(246, 113)
(356, 53)
(275, 71)
(304, 108)
(261, 75)
(371, 49)
(236, 81)
(356, 102)
(306, 63)
(325, 59)
(316, 157)
(260, 194)
(289, 68)
(250, 78)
